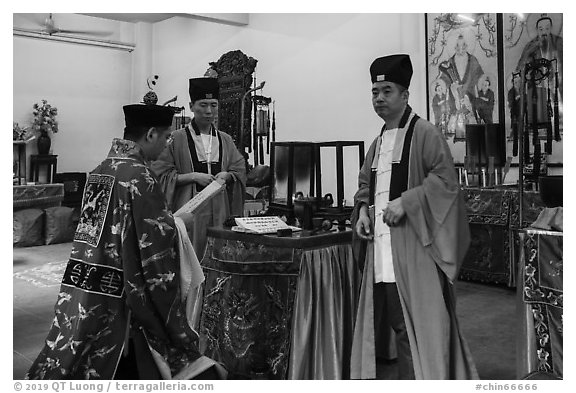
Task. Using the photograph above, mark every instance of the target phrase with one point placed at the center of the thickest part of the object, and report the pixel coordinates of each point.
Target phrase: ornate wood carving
(235, 77)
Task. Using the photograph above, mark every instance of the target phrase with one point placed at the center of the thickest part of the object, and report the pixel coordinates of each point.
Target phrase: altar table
(540, 302)
(279, 307)
(493, 215)
(38, 196)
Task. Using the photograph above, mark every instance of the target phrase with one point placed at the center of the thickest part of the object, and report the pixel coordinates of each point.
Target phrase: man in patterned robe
(121, 312)
(197, 155)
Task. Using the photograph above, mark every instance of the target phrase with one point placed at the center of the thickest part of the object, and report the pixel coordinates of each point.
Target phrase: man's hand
(394, 212)
(226, 177)
(203, 179)
(363, 225)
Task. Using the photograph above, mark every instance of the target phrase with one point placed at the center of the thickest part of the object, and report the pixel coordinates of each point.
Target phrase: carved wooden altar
(494, 218)
(540, 302)
(235, 77)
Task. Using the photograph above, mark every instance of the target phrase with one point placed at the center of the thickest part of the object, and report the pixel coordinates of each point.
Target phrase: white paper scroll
(198, 200)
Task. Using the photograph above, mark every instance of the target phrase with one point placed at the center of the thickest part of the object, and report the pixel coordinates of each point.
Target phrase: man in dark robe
(548, 46)
(440, 108)
(199, 154)
(121, 310)
(411, 234)
(485, 103)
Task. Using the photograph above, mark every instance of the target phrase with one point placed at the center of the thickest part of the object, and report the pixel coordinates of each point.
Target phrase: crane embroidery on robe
(72, 344)
(124, 256)
(158, 257)
(161, 280)
(63, 297)
(159, 224)
(149, 179)
(142, 243)
(131, 186)
(94, 208)
(54, 344)
(139, 290)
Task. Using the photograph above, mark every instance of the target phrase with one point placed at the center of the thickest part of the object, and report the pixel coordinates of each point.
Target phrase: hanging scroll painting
(462, 66)
(528, 37)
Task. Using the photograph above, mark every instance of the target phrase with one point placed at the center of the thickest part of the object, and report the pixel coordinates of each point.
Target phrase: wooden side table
(20, 148)
(38, 160)
(21, 163)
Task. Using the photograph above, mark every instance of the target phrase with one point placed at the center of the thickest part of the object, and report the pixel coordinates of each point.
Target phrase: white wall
(87, 84)
(316, 67)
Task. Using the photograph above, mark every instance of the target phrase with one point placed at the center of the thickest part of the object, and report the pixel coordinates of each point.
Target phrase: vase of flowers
(43, 124)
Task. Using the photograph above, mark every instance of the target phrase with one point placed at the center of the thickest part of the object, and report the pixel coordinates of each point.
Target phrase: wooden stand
(36, 161)
(21, 173)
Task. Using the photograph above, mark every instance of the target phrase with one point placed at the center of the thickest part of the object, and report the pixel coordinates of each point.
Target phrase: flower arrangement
(44, 118)
(19, 133)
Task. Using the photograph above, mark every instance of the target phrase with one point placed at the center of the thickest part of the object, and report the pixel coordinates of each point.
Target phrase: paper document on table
(208, 192)
(261, 225)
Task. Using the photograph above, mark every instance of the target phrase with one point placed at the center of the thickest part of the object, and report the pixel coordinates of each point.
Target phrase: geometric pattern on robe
(428, 246)
(123, 273)
(175, 159)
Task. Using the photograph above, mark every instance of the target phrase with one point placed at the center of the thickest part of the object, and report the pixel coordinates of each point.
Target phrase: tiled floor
(486, 314)
(34, 296)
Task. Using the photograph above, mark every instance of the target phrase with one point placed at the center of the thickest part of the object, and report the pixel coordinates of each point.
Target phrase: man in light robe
(199, 154)
(121, 310)
(411, 234)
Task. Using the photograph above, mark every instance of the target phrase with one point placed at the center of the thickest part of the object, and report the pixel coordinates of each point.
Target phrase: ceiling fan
(49, 27)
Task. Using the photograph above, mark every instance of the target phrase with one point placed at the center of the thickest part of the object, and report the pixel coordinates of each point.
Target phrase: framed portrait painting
(534, 43)
(462, 74)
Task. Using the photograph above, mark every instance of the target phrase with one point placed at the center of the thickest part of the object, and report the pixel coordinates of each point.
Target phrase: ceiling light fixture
(75, 40)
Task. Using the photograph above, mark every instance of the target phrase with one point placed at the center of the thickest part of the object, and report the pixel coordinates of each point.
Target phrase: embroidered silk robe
(123, 276)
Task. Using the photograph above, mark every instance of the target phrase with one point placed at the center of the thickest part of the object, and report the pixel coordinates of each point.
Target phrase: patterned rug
(47, 275)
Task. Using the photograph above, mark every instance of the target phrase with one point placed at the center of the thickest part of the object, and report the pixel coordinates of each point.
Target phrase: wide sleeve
(361, 197)
(235, 164)
(152, 270)
(433, 203)
(167, 172)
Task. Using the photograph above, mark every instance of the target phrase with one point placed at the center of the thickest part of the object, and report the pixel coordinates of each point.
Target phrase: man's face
(461, 46)
(157, 142)
(205, 111)
(388, 99)
(544, 28)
